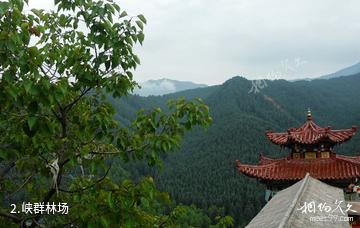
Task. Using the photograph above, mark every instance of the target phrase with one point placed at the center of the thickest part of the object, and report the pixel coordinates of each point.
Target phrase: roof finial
(309, 117)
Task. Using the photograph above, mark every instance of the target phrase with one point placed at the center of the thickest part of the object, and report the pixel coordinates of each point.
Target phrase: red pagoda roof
(338, 167)
(310, 133)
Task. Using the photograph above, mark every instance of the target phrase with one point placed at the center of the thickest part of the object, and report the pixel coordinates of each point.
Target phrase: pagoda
(311, 150)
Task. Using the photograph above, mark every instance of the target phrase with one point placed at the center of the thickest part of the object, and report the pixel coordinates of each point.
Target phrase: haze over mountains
(166, 86)
(203, 171)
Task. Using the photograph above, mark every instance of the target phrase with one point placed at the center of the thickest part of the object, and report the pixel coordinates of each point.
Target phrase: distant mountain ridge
(347, 71)
(351, 70)
(165, 86)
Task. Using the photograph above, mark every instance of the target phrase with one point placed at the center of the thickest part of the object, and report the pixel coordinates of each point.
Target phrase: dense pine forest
(203, 172)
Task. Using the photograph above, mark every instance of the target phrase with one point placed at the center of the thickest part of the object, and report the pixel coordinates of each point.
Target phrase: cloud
(209, 41)
(163, 85)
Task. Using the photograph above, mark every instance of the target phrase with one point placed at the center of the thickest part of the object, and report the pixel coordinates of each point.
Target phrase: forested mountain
(203, 172)
(164, 86)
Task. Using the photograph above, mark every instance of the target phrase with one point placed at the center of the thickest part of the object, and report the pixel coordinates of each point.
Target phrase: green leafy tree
(58, 136)
(190, 216)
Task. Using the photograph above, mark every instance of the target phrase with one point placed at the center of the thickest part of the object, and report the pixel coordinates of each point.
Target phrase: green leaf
(12, 91)
(27, 85)
(62, 20)
(104, 222)
(110, 200)
(3, 155)
(129, 74)
(37, 12)
(141, 37)
(115, 61)
(142, 18)
(117, 7)
(123, 14)
(3, 7)
(137, 60)
(140, 24)
(145, 202)
(31, 122)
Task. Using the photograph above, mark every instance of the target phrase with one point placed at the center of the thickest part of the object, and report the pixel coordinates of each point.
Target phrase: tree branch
(87, 187)
(51, 191)
(43, 71)
(25, 182)
(69, 106)
(10, 216)
(129, 151)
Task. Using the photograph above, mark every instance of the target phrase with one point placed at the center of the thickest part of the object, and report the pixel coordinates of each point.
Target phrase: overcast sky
(210, 41)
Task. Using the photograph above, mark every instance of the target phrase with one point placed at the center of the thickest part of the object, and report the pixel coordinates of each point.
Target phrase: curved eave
(278, 138)
(257, 171)
(341, 167)
(340, 136)
(335, 136)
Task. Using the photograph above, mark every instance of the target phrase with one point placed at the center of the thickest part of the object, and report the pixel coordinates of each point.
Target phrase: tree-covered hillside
(204, 172)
